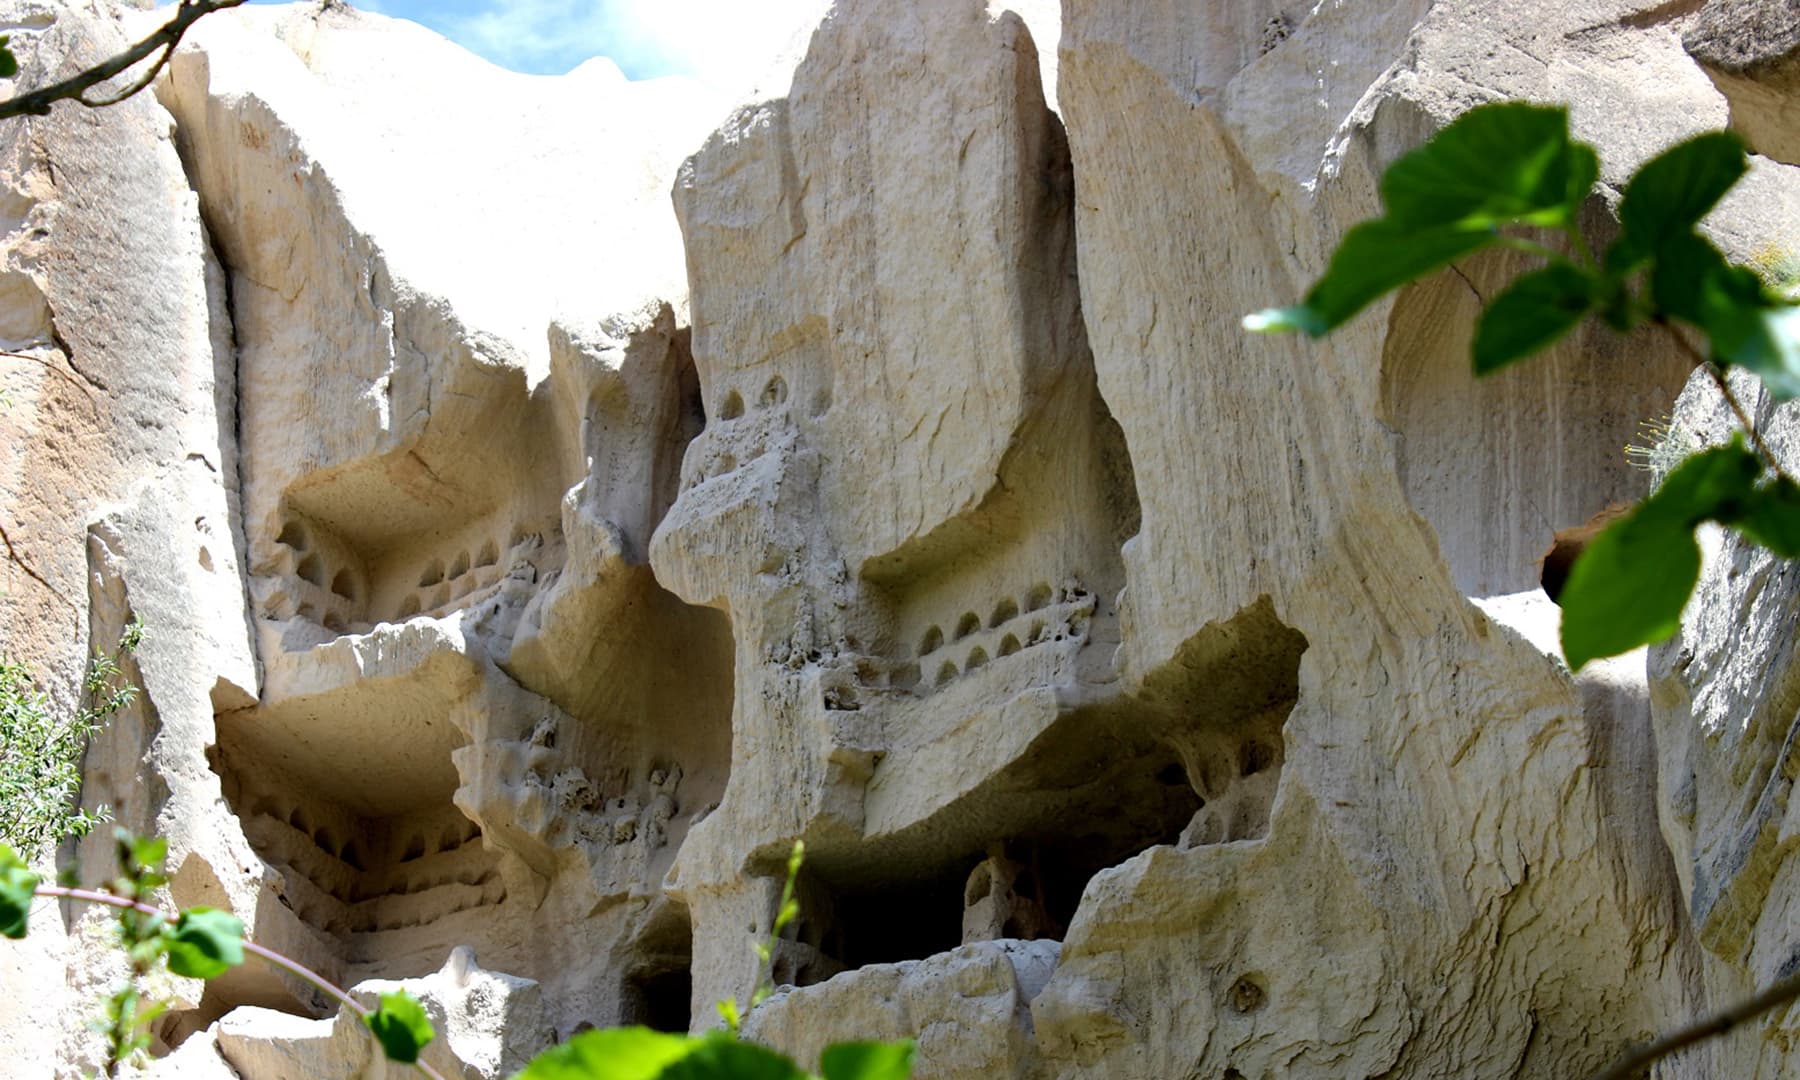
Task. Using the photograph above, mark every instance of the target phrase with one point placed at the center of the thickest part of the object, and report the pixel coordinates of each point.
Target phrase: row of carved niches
(1235, 771)
(312, 573)
(1038, 616)
(495, 569)
(1224, 702)
(850, 676)
(358, 879)
(748, 421)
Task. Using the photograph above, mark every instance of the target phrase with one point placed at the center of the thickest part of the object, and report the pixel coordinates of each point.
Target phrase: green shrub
(40, 752)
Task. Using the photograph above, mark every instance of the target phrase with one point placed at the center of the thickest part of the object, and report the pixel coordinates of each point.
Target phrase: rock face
(528, 559)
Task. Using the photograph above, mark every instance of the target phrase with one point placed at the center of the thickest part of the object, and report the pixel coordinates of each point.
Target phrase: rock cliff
(547, 499)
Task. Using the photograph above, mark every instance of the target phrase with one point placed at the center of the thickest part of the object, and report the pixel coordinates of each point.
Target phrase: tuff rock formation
(547, 499)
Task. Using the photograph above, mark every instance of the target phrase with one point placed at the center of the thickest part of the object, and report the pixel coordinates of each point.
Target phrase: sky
(723, 42)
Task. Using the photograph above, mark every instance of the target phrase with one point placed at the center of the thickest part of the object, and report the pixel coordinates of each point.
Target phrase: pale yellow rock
(543, 512)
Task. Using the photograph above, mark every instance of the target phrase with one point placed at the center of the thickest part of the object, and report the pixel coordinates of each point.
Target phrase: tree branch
(13, 556)
(1731, 399)
(75, 88)
(48, 366)
(1635, 1062)
(294, 966)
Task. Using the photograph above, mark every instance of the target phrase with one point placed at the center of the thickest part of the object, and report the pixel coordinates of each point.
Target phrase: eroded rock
(528, 562)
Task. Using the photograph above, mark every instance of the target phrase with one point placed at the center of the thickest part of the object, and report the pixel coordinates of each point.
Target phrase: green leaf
(1671, 193)
(628, 1053)
(1678, 281)
(1749, 328)
(1533, 312)
(17, 888)
(140, 855)
(1715, 484)
(867, 1061)
(727, 1009)
(1502, 162)
(1374, 258)
(205, 943)
(718, 1056)
(1627, 589)
(1745, 323)
(401, 1026)
(1772, 518)
(9, 64)
(1629, 586)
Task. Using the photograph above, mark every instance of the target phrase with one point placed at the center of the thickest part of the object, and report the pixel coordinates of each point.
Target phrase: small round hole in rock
(1254, 757)
(932, 641)
(293, 534)
(774, 393)
(1248, 995)
(732, 407)
(1003, 611)
(344, 584)
(904, 677)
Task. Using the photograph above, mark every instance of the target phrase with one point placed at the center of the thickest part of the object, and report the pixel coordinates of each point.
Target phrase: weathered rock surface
(528, 560)
(1751, 49)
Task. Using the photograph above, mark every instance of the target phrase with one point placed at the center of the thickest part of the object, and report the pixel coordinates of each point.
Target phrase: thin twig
(48, 366)
(38, 102)
(1579, 241)
(1635, 1062)
(13, 556)
(1530, 246)
(362, 1011)
(1731, 398)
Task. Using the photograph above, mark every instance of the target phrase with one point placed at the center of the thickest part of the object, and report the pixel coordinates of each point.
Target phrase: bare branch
(1731, 399)
(48, 366)
(13, 556)
(1636, 1062)
(75, 88)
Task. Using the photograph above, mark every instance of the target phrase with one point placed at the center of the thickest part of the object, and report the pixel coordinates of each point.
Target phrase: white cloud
(724, 42)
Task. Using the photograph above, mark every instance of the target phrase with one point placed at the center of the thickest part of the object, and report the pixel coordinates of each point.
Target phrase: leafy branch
(785, 912)
(204, 943)
(199, 943)
(76, 87)
(1512, 165)
(40, 753)
(637, 1053)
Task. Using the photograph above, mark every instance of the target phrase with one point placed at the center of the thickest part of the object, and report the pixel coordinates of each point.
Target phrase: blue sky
(725, 42)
